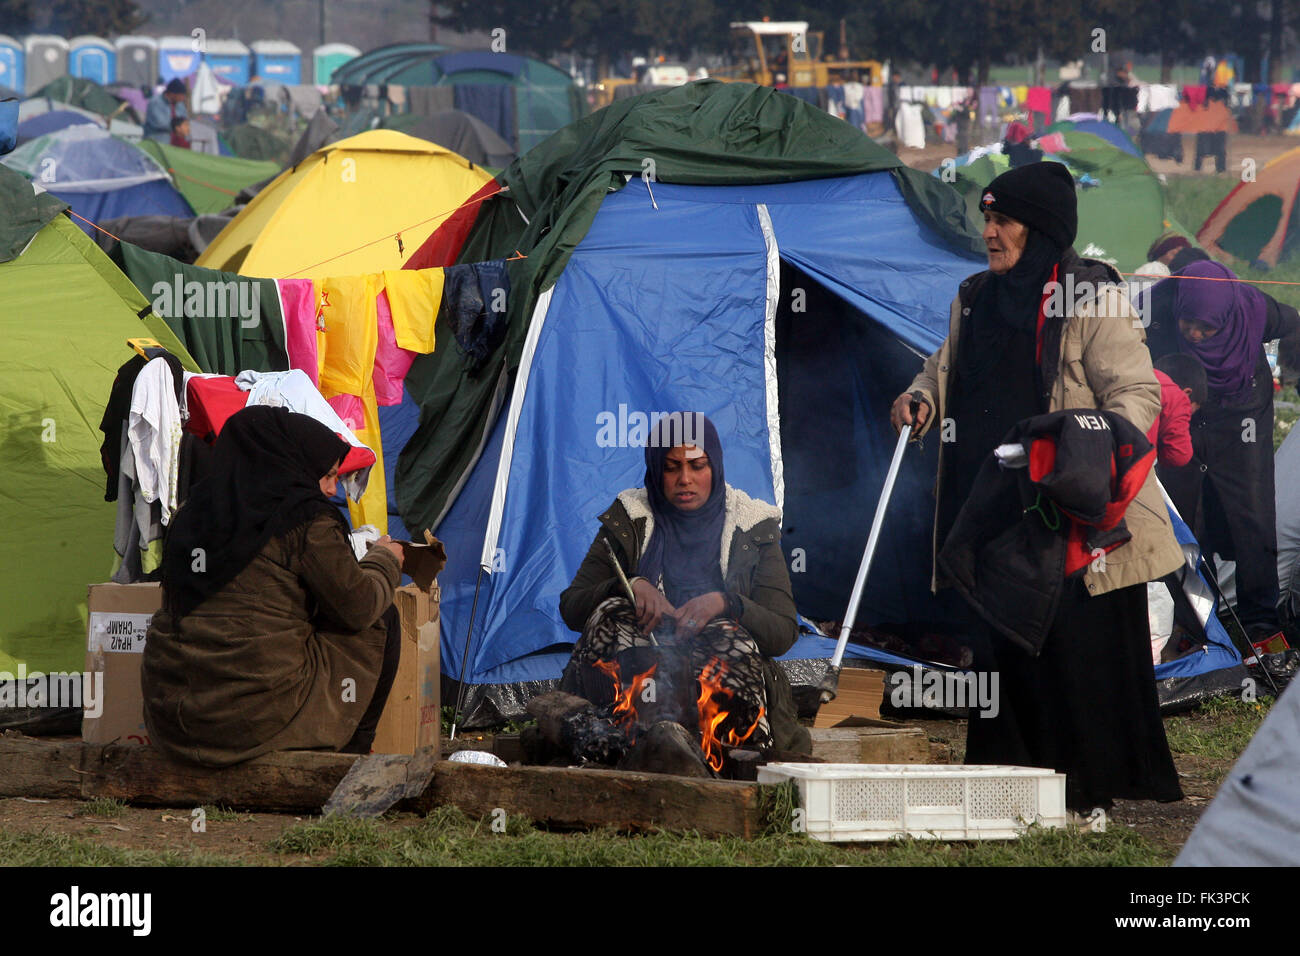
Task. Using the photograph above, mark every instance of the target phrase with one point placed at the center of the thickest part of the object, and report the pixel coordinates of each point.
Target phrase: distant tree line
(966, 35)
(69, 18)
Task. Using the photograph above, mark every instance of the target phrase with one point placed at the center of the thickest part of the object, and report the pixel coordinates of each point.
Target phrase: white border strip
(512, 424)
(769, 356)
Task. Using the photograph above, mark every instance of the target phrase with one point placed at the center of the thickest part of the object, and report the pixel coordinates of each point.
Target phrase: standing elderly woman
(1086, 704)
(706, 567)
(1207, 312)
(272, 635)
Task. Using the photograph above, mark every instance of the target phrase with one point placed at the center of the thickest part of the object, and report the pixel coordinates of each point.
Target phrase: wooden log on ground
(581, 799)
(552, 709)
(295, 780)
(30, 767)
(876, 744)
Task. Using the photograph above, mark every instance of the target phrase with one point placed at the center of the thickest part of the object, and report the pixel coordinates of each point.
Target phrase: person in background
(162, 108)
(181, 132)
(1206, 312)
(1166, 247)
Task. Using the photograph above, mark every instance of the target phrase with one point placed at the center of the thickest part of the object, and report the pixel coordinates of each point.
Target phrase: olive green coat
(285, 657)
(753, 566)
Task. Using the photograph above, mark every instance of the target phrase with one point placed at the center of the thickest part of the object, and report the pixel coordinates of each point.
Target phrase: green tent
(252, 142)
(67, 313)
(210, 183)
(89, 95)
(1119, 217)
(703, 133)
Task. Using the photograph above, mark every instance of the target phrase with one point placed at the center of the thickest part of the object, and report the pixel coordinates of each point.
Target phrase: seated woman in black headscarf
(705, 564)
(272, 635)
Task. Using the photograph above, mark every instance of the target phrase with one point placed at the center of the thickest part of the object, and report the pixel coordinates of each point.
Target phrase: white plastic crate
(847, 802)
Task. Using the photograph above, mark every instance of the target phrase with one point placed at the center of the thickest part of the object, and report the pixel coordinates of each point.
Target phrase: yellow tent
(339, 211)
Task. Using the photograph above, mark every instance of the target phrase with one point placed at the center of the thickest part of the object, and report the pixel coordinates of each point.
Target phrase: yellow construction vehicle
(762, 49)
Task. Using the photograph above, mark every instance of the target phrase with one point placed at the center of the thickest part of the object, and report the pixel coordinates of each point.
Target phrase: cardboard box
(119, 615)
(857, 699)
(412, 718)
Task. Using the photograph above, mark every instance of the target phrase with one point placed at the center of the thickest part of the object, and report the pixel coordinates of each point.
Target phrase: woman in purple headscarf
(707, 573)
(1206, 311)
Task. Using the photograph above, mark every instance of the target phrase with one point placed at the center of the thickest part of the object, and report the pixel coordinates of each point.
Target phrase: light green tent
(210, 183)
(1119, 217)
(66, 312)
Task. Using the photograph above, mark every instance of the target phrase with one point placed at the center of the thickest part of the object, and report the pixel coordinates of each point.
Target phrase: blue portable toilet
(177, 58)
(92, 58)
(12, 59)
(137, 61)
(47, 60)
(229, 60)
(277, 61)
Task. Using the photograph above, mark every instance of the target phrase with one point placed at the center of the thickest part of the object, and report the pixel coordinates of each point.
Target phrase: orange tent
(1212, 118)
(1257, 220)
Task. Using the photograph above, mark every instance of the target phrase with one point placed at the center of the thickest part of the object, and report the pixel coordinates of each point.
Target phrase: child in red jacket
(1182, 390)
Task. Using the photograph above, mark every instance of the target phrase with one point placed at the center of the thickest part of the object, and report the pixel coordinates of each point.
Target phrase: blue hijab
(686, 546)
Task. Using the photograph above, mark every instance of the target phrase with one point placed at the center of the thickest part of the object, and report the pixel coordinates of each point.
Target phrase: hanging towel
(1021, 93)
(1194, 96)
(835, 100)
(414, 297)
(298, 305)
(154, 433)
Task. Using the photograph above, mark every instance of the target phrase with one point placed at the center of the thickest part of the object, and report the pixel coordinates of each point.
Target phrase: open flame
(624, 714)
(713, 715)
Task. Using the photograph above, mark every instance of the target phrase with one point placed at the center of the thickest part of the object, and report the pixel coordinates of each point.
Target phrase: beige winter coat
(1104, 364)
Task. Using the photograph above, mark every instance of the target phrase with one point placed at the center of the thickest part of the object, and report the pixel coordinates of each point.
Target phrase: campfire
(668, 717)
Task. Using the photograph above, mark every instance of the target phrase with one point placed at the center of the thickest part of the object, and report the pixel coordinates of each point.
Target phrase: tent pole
(830, 682)
(460, 684)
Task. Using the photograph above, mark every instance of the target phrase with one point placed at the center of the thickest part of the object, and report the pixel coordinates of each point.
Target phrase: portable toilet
(177, 57)
(277, 61)
(329, 57)
(92, 58)
(137, 61)
(11, 64)
(228, 60)
(47, 59)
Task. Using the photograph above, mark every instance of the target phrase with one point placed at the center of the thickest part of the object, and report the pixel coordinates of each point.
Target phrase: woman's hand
(651, 605)
(699, 611)
(901, 412)
(393, 547)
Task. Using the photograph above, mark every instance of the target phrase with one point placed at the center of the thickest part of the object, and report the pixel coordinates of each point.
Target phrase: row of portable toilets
(29, 64)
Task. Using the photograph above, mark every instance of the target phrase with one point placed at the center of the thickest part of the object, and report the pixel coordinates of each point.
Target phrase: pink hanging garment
(298, 305)
(392, 362)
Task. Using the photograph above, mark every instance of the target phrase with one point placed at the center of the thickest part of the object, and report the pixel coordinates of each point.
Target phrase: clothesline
(397, 235)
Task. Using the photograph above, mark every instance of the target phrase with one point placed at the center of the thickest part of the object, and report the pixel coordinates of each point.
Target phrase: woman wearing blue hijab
(705, 564)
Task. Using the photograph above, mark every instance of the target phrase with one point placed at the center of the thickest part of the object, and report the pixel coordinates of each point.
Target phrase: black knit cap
(175, 85)
(1040, 195)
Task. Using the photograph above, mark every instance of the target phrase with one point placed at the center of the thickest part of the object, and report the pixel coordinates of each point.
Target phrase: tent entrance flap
(839, 371)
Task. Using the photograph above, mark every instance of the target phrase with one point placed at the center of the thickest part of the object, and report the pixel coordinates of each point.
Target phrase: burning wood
(668, 718)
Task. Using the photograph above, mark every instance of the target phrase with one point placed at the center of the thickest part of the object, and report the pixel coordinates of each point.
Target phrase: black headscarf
(1006, 304)
(686, 546)
(264, 481)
